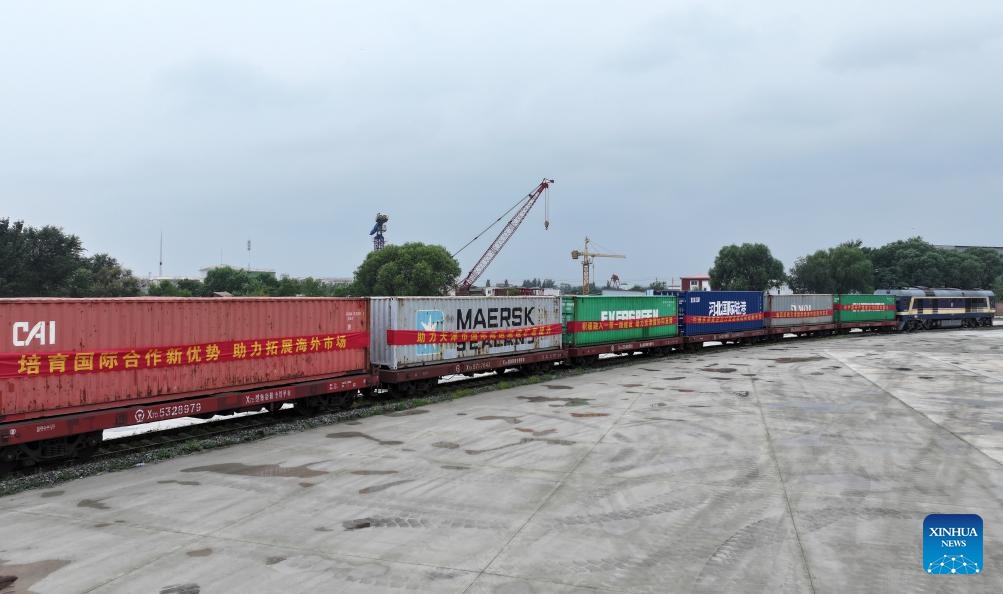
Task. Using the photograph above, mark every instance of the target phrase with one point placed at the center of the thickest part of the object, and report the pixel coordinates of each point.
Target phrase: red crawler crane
(464, 287)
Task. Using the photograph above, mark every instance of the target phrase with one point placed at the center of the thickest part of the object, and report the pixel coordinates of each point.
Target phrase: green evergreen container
(600, 320)
(864, 308)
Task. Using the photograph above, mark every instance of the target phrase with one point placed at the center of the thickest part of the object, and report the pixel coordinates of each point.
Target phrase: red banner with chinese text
(723, 319)
(73, 362)
(811, 313)
(597, 326)
(411, 337)
(865, 306)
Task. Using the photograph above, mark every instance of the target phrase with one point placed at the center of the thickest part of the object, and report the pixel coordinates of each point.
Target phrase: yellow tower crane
(587, 257)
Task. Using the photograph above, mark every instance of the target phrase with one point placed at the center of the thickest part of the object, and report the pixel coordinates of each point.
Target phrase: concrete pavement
(806, 466)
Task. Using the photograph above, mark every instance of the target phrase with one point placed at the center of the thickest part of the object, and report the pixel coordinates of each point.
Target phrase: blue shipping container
(714, 312)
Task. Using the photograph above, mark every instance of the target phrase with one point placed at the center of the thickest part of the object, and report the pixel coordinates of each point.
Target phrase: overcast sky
(671, 128)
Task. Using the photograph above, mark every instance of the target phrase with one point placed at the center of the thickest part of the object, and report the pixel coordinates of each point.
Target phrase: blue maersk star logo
(428, 320)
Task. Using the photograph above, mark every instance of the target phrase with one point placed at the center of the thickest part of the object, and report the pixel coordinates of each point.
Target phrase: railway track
(140, 448)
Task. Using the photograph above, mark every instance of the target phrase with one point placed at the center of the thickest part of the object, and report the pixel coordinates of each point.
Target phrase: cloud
(927, 47)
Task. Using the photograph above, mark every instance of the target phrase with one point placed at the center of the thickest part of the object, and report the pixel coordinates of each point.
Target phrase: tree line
(47, 262)
(243, 283)
(851, 267)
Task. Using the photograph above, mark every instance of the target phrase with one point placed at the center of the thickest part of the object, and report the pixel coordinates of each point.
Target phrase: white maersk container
(483, 327)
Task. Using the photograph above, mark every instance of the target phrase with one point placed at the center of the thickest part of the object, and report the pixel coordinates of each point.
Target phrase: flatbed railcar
(76, 367)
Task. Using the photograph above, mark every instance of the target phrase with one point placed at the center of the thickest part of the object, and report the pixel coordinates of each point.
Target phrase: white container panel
(460, 315)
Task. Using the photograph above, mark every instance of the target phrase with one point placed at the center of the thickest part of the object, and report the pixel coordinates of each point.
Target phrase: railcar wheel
(346, 401)
(88, 445)
(307, 407)
(404, 389)
(8, 461)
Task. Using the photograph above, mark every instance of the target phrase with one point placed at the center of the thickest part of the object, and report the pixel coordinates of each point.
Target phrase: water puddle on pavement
(383, 487)
(262, 470)
(181, 589)
(510, 420)
(92, 503)
(350, 434)
(522, 441)
(407, 413)
(358, 524)
(200, 552)
(566, 401)
(536, 433)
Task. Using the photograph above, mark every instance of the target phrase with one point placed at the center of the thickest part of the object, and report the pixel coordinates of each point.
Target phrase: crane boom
(504, 236)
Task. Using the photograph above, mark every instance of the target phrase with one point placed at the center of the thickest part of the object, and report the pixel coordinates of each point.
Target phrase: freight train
(75, 367)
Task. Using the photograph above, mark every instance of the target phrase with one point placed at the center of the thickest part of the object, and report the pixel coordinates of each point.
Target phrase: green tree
(907, 263)
(312, 287)
(962, 270)
(409, 269)
(842, 269)
(916, 263)
(102, 276)
(40, 262)
(166, 288)
(746, 267)
(288, 287)
(261, 284)
(228, 279)
(658, 286)
(990, 266)
(192, 287)
(997, 287)
(14, 257)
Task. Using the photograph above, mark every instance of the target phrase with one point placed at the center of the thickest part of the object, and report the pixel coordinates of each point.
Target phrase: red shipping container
(61, 356)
